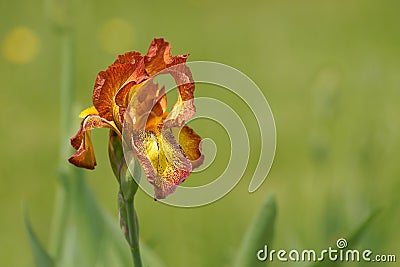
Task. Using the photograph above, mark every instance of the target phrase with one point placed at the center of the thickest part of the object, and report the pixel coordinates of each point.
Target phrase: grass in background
(329, 71)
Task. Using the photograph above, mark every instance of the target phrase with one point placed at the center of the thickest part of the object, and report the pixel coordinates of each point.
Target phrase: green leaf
(353, 238)
(362, 228)
(114, 250)
(41, 258)
(91, 236)
(85, 234)
(150, 259)
(60, 212)
(87, 237)
(259, 234)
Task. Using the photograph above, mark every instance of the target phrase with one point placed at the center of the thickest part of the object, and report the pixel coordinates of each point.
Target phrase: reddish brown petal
(126, 68)
(128, 57)
(124, 96)
(184, 108)
(158, 60)
(84, 156)
(190, 142)
(158, 56)
(183, 77)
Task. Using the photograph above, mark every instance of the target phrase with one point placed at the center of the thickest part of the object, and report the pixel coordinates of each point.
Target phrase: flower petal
(162, 159)
(190, 143)
(84, 156)
(158, 56)
(126, 68)
(148, 106)
(158, 60)
(89, 111)
(123, 98)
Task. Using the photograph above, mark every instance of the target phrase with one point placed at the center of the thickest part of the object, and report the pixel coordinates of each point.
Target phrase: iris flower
(127, 90)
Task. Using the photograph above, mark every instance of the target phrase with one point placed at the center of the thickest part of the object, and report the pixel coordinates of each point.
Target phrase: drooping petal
(127, 68)
(84, 156)
(190, 143)
(162, 159)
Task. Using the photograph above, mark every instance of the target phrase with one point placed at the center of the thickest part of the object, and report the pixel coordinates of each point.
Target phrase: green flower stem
(133, 232)
(126, 195)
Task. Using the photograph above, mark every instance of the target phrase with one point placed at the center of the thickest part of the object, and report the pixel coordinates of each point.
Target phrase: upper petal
(158, 60)
(124, 96)
(84, 156)
(158, 56)
(126, 68)
(147, 106)
(184, 107)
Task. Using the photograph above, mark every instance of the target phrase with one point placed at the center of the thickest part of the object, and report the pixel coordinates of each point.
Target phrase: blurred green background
(329, 69)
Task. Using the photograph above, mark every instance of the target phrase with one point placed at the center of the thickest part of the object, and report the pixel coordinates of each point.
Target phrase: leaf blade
(260, 232)
(40, 255)
(354, 238)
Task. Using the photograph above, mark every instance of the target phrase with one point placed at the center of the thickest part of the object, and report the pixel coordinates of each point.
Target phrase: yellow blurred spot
(116, 36)
(20, 45)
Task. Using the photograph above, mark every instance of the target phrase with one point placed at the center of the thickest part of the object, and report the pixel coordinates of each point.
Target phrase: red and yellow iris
(127, 87)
